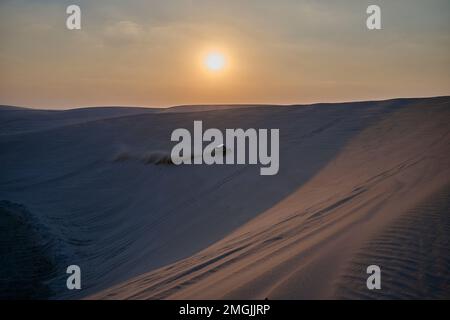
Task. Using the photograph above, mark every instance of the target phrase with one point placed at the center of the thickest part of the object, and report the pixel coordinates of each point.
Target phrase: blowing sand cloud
(156, 157)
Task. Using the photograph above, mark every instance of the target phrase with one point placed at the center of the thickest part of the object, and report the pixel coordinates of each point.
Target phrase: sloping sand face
(138, 230)
(303, 246)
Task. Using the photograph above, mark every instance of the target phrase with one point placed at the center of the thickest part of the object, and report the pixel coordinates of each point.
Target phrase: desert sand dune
(139, 230)
(296, 248)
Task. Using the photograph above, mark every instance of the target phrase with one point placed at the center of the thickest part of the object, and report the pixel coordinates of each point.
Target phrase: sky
(151, 53)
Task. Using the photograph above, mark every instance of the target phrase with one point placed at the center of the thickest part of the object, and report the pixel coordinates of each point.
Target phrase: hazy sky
(149, 53)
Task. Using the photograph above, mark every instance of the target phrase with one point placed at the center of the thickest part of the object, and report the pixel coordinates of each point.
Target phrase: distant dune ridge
(359, 183)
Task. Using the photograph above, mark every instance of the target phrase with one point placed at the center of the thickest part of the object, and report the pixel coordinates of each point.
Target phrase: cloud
(124, 32)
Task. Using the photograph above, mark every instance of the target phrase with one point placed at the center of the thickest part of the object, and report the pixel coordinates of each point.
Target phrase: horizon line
(259, 104)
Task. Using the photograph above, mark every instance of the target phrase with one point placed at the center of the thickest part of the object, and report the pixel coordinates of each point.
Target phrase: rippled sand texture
(413, 254)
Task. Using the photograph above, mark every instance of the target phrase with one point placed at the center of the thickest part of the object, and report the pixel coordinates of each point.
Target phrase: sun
(215, 61)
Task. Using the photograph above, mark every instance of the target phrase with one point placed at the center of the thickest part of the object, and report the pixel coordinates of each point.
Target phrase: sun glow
(215, 61)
